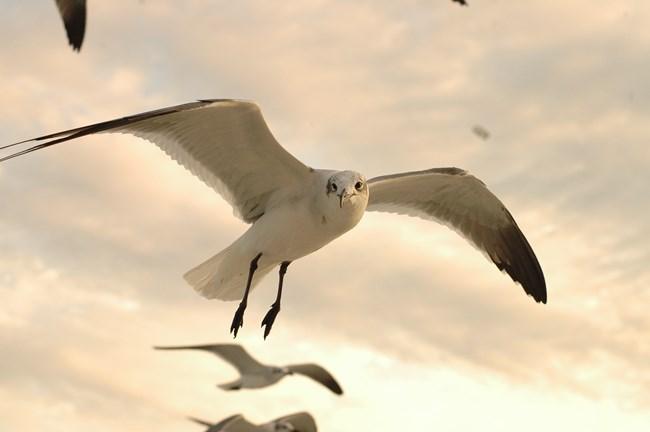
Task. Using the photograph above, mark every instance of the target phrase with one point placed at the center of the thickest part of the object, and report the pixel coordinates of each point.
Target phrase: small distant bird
(256, 375)
(73, 13)
(298, 422)
(461, 2)
(294, 209)
(481, 132)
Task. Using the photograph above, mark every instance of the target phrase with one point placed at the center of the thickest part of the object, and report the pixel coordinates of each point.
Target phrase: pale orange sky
(421, 331)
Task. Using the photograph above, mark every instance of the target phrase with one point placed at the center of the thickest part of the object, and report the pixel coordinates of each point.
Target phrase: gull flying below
(257, 375)
(294, 209)
(298, 422)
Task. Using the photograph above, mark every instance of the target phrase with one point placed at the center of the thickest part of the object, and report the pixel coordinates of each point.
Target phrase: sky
(420, 330)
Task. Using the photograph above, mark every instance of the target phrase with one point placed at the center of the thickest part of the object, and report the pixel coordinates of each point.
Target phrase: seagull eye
(358, 185)
(333, 186)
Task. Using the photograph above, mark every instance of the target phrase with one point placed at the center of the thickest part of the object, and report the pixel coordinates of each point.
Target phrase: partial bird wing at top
(318, 374)
(239, 424)
(234, 354)
(234, 423)
(301, 422)
(73, 13)
(454, 197)
(226, 143)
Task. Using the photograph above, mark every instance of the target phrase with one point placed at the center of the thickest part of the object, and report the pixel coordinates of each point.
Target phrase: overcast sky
(421, 331)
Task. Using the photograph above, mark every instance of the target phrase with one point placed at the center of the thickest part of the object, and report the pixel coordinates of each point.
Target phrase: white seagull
(294, 209)
(298, 422)
(257, 375)
(73, 14)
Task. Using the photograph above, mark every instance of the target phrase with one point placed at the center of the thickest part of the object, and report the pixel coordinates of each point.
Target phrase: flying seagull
(256, 375)
(294, 209)
(298, 422)
(73, 14)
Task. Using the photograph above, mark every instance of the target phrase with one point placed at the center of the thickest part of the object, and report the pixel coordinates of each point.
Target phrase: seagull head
(348, 188)
(279, 372)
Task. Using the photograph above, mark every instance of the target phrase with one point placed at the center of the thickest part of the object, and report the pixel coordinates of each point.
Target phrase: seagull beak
(345, 196)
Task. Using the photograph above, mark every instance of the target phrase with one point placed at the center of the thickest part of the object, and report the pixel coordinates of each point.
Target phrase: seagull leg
(238, 319)
(269, 318)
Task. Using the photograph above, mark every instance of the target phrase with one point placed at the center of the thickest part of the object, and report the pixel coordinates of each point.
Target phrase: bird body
(263, 377)
(290, 229)
(293, 209)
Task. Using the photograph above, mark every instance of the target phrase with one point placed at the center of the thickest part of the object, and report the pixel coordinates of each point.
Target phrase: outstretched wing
(318, 374)
(73, 14)
(454, 197)
(226, 143)
(234, 354)
(301, 422)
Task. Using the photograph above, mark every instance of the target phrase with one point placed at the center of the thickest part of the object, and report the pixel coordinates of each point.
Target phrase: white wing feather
(226, 143)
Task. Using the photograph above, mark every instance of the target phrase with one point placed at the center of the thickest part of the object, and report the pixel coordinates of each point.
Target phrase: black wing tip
(538, 291)
(74, 20)
(333, 386)
(541, 297)
(532, 282)
(520, 262)
(538, 294)
(199, 421)
(75, 46)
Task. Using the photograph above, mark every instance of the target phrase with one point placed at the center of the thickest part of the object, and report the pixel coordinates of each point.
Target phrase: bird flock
(255, 375)
(293, 210)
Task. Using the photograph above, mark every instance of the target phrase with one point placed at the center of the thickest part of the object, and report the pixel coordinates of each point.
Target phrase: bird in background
(73, 14)
(481, 132)
(294, 209)
(298, 422)
(255, 375)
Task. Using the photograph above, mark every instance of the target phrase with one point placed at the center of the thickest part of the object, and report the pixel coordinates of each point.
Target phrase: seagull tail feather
(204, 277)
(224, 275)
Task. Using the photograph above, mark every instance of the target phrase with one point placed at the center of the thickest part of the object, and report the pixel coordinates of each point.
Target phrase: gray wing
(318, 374)
(301, 422)
(234, 354)
(73, 14)
(225, 143)
(454, 197)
